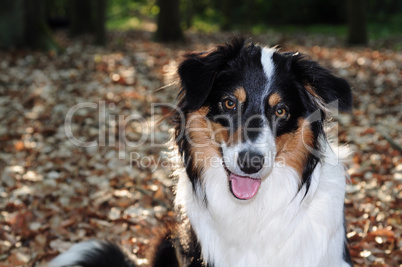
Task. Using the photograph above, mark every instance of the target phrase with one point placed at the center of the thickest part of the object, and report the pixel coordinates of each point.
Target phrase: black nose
(250, 162)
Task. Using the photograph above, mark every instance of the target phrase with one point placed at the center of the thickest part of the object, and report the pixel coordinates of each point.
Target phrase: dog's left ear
(322, 84)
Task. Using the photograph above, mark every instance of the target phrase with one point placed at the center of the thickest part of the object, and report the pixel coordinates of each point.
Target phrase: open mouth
(243, 187)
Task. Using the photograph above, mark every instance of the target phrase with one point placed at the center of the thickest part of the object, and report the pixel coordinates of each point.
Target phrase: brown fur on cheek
(204, 151)
(293, 148)
(220, 134)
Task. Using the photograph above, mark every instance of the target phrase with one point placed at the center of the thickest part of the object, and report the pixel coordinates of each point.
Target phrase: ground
(67, 180)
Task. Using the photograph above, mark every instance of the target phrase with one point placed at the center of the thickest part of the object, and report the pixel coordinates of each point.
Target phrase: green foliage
(208, 21)
(205, 26)
(124, 23)
(126, 15)
(129, 8)
(385, 30)
(259, 16)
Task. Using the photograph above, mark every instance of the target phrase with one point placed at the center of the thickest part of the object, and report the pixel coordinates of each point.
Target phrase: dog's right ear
(197, 74)
(199, 70)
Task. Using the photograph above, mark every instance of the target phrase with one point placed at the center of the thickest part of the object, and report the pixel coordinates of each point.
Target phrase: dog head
(245, 108)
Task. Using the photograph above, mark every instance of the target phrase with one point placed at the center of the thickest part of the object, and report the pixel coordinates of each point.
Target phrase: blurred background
(34, 22)
(118, 58)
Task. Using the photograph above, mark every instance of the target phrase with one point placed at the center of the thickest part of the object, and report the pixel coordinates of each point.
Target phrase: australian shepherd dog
(260, 184)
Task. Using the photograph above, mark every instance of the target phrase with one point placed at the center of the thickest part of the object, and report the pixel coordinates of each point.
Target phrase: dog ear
(322, 84)
(197, 74)
(199, 70)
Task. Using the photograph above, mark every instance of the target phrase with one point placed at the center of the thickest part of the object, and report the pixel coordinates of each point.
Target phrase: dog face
(245, 108)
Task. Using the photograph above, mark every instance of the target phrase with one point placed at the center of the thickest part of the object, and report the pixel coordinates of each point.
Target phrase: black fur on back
(106, 255)
(178, 246)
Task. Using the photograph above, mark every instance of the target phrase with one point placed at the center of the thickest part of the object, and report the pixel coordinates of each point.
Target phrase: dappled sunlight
(55, 191)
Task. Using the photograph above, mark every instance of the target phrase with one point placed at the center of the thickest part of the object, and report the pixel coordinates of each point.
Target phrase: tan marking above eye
(240, 94)
(274, 99)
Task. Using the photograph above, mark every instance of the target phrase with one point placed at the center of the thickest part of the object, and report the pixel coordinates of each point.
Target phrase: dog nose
(250, 162)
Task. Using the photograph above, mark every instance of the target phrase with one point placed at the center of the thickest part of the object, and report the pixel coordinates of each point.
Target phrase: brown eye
(229, 104)
(280, 112)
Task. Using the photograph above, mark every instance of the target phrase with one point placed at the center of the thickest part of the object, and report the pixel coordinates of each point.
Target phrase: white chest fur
(275, 228)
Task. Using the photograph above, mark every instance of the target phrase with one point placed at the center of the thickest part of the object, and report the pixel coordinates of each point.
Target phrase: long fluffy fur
(297, 216)
(279, 227)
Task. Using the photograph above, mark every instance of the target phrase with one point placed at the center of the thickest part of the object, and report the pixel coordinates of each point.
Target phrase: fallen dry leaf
(54, 193)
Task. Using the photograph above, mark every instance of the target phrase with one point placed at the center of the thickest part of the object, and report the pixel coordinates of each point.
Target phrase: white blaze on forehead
(267, 62)
(264, 144)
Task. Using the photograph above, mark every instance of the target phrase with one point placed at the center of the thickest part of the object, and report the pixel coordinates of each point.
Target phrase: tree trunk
(11, 13)
(89, 17)
(188, 13)
(81, 17)
(100, 22)
(37, 33)
(357, 25)
(22, 23)
(168, 21)
(226, 8)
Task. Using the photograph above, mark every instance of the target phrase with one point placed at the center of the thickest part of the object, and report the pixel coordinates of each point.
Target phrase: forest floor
(55, 192)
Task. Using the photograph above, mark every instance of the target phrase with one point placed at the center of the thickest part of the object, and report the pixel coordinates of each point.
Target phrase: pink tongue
(244, 187)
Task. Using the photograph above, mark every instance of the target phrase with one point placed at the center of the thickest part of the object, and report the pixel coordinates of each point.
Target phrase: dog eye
(281, 113)
(229, 104)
